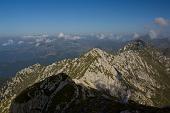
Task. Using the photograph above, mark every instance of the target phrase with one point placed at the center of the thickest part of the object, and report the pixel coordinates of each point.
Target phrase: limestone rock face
(22, 80)
(53, 94)
(59, 94)
(137, 72)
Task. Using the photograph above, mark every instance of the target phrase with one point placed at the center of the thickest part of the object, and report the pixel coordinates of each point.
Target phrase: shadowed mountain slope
(59, 94)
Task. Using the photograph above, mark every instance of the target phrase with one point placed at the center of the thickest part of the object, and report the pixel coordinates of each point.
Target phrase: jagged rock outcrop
(21, 81)
(138, 72)
(59, 94)
(135, 45)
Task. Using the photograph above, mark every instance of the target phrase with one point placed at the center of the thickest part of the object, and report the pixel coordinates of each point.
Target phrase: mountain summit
(139, 73)
(135, 45)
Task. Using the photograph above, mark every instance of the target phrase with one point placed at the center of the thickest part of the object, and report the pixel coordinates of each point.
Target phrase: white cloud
(39, 40)
(118, 36)
(20, 42)
(44, 36)
(61, 35)
(153, 34)
(48, 41)
(36, 36)
(75, 38)
(68, 36)
(101, 36)
(161, 21)
(136, 35)
(9, 42)
(28, 36)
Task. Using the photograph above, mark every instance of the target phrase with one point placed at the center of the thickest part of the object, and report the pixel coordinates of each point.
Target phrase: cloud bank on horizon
(9, 42)
(163, 28)
(161, 21)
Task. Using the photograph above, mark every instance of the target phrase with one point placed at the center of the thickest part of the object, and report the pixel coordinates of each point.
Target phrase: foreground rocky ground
(59, 94)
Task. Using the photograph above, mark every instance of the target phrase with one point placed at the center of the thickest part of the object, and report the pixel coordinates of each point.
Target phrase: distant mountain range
(134, 78)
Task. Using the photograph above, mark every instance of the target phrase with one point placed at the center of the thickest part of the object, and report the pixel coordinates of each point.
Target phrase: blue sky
(51, 16)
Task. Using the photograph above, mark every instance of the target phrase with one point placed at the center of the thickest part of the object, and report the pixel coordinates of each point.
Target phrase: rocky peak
(137, 44)
(138, 76)
(95, 52)
(13, 87)
(30, 69)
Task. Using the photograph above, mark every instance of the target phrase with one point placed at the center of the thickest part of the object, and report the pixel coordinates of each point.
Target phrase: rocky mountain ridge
(138, 72)
(60, 94)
